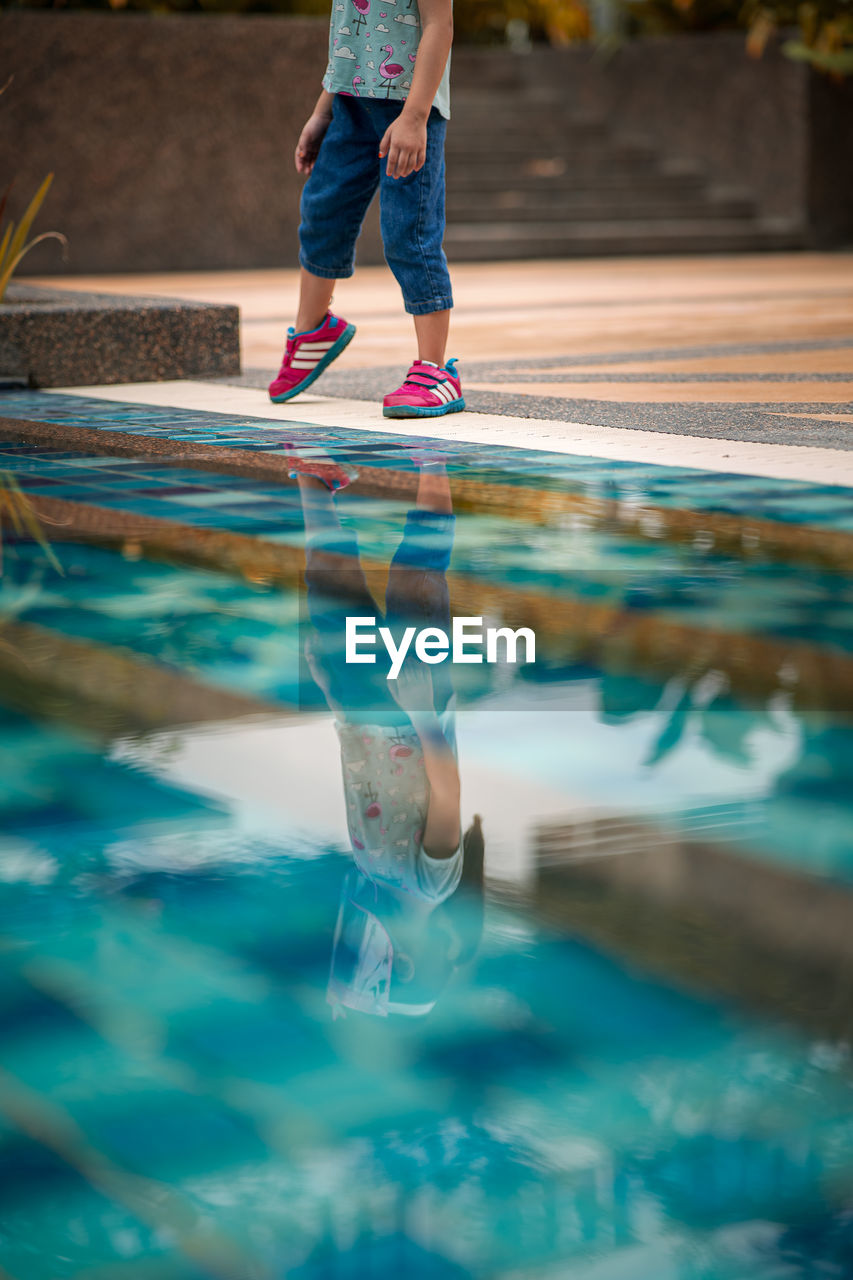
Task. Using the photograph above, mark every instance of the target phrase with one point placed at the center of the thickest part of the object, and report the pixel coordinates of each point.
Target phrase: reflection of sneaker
(308, 354)
(429, 459)
(329, 473)
(427, 392)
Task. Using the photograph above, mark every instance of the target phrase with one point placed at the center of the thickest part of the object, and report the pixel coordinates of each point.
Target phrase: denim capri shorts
(341, 186)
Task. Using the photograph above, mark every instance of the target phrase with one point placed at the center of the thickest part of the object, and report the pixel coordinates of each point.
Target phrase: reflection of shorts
(416, 595)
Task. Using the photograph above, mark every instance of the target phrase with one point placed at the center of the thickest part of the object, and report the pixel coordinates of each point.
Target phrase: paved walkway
(648, 359)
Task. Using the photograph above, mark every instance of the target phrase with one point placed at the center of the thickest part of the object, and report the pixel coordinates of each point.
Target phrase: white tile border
(772, 461)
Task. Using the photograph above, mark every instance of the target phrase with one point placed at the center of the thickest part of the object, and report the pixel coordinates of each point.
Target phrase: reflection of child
(398, 755)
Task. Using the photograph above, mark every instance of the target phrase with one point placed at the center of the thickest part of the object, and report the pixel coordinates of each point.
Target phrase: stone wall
(172, 136)
(768, 126)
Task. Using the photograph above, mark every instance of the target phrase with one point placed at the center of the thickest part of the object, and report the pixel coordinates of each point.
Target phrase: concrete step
(470, 134)
(524, 206)
(529, 176)
(559, 156)
(538, 111)
(533, 127)
(475, 241)
(558, 182)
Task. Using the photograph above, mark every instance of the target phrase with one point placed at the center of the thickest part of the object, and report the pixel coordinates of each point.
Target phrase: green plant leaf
(840, 62)
(19, 239)
(4, 244)
(17, 506)
(9, 270)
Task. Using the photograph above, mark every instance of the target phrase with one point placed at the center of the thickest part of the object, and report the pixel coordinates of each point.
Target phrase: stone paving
(749, 348)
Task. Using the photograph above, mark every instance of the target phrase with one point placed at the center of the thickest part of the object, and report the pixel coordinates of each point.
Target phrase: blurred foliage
(820, 31)
(17, 511)
(14, 241)
(14, 245)
(515, 21)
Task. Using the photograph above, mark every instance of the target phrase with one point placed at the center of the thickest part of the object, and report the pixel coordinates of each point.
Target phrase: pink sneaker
(320, 467)
(426, 393)
(308, 354)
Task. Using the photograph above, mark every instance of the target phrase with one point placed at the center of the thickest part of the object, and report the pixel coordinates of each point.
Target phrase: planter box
(54, 338)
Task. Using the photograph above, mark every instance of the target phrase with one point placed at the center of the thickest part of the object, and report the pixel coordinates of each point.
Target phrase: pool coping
(737, 534)
(805, 463)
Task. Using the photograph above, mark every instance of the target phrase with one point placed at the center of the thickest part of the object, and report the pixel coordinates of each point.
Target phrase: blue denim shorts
(416, 595)
(341, 186)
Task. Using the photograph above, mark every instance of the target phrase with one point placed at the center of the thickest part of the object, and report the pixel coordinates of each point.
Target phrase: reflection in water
(644, 1071)
(404, 925)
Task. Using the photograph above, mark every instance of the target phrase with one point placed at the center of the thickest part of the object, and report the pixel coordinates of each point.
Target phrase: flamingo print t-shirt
(387, 797)
(372, 49)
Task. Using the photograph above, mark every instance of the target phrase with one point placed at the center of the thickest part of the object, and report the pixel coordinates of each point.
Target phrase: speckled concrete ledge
(49, 338)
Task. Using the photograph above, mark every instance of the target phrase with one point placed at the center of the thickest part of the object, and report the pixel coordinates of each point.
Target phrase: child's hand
(308, 146)
(412, 690)
(404, 144)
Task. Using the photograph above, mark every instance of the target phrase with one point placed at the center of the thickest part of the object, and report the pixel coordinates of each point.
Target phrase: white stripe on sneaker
(316, 346)
(307, 362)
(441, 389)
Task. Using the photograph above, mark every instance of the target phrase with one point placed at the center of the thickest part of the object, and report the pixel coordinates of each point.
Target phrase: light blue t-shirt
(387, 798)
(372, 49)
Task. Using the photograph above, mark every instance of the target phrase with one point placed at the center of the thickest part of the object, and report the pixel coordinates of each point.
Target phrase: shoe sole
(332, 354)
(422, 411)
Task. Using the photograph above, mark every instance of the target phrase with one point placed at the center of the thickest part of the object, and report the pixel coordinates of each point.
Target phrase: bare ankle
(306, 322)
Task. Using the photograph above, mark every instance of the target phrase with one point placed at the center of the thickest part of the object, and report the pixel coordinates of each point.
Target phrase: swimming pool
(643, 1070)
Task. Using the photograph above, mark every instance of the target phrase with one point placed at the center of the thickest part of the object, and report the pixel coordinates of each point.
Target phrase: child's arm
(404, 142)
(308, 146)
(413, 691)
(442, 829)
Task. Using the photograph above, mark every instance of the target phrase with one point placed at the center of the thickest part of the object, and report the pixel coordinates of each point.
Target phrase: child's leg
(417, 585)
(335, 199)
(412, 224)
(337, 588)
(434, 489)
(431, 331)
(323, 529)
(417, 593)
(315, 296)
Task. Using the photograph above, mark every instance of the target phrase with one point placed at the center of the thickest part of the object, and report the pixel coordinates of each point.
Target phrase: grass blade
(20, 237)
(19, 510)
(9, 270)
(4, 244)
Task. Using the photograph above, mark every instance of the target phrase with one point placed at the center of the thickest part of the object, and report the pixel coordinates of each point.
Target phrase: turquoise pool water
(587, 1099)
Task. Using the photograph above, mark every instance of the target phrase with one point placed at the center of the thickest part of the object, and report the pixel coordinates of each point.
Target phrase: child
(411, 906)
(380, 121)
